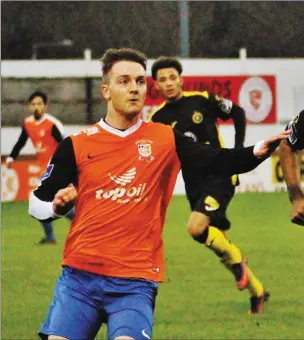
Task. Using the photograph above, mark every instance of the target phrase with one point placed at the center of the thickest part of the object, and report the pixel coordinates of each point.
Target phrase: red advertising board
(255, 94)
(19, 181)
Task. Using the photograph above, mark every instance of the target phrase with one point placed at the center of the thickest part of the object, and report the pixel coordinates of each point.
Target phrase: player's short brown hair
(165, 62)
(112, 56)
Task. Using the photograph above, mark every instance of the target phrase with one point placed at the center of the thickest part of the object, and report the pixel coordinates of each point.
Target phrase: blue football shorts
(83, 301)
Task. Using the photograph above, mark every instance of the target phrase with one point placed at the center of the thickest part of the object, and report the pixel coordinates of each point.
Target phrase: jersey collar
(38, 122)
(117, 132)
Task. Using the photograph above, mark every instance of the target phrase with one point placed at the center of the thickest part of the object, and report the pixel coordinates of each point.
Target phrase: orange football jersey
(125, 182)
(40, 133)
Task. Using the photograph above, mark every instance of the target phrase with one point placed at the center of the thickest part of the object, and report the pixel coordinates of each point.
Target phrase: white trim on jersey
(56, 122)
(39, 209)
(42, 210)
(117, 132)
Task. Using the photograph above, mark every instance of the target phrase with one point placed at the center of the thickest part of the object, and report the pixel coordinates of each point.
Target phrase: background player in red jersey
(291, 166)
(45, 132)
(121, 175)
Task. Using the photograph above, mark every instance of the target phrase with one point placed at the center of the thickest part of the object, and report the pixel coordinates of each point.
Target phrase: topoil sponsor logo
(121, 194)
(114, 194)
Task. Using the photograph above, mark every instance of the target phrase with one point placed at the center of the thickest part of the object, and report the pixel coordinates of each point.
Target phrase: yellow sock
(220, 245)
(231, 254)
(255, 286)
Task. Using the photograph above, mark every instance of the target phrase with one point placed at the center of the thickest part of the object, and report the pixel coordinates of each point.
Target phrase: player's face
(126, 88)
(169, 83)
(37, 107)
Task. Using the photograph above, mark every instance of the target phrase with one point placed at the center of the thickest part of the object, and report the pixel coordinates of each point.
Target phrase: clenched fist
(64, 198)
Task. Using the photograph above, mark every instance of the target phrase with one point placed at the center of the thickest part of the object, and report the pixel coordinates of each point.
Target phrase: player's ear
(105, 91)
(155, 83)
(181, 81)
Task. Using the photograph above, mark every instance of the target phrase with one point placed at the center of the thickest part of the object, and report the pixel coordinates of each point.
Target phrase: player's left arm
(226, 109)
(200, 157)
(239, 119)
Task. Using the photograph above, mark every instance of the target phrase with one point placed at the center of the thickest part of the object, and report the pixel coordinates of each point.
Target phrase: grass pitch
(199, 299)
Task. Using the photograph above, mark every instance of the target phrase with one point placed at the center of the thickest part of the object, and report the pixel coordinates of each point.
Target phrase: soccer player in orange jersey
(120, 174)
(45, 132)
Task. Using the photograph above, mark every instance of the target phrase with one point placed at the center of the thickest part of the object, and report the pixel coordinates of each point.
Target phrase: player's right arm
(288, 151)
(17, 147)
(57, 134)
(56, 193)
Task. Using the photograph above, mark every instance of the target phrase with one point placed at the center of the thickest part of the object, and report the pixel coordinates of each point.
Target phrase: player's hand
(297, 213)
(66, 196)
(266, 147)
(9, 161)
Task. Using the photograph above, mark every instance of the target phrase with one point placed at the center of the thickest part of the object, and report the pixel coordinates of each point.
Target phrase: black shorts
(213, 201)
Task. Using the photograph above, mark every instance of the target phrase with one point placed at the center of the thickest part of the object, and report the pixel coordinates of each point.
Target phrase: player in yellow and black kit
(195, 114)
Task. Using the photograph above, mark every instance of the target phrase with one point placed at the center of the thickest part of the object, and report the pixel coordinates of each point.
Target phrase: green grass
(199, 299)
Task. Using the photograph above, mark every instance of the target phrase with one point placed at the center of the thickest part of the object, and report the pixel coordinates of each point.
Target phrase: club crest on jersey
(144, 148)
(197, 117)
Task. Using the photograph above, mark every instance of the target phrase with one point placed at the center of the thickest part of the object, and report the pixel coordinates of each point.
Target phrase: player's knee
(56, 337)
(197, 224)
(124, 337)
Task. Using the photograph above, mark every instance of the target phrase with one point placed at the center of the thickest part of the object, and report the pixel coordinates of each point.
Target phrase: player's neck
(179, 96)
(119, 121)
(39, 119)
